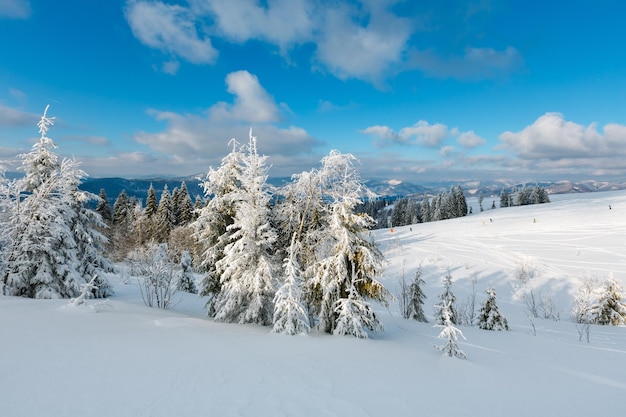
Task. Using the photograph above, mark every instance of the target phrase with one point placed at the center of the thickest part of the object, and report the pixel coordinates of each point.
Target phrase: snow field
(120, 358)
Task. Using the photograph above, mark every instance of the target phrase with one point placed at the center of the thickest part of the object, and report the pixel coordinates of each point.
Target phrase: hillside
(120, 358)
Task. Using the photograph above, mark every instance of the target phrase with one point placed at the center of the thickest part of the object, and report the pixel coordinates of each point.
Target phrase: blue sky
(416, 90)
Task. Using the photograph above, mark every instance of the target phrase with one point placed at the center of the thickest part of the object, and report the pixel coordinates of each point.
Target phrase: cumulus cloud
(281, 22)
(201, 140)
(363, 48)
(421, 133)
(470, 140)
(15, 9)
(366, 40)
(552, 137)
(170, 29)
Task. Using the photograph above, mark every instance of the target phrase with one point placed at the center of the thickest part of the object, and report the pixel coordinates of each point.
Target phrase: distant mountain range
(384, 188)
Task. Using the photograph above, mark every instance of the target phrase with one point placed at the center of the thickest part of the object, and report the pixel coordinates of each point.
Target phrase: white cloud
(280, 22)
(363, 44)
(15, 9)
(201, 140)
(421, 133)
(470, 140)
(10, 117)
(552, 137)
(366, 40)
(170, 29)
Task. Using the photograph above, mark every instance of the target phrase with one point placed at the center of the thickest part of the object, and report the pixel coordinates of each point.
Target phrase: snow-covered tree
(290, 315)
(583, 303)
(212, 227)
(186, 280)
(447, 302)
(247, 270)
(344, 272)
(54, 242)
(151, 203)
(415, 305)
(165, 218)
(183, 206)
(104, 208)
(609, 308)
(157, 280)
(449, 333)
(489, 316)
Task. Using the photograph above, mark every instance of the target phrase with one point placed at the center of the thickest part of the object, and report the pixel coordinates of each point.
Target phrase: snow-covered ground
(120, 358)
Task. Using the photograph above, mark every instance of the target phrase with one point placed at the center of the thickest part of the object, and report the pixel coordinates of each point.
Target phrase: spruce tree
(345, 272)
(55, 244)
(104, 208)
(151, 203)
(489, 316)
(212, 228)
(247, 270)
(184, 207)
(164, 218)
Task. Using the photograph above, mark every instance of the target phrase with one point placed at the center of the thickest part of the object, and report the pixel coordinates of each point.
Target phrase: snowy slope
(120, 358)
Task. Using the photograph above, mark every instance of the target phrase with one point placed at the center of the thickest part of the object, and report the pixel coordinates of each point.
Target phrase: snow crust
(120, 358)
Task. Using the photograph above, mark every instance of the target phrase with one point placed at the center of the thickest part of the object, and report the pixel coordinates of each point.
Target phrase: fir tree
(489, 316)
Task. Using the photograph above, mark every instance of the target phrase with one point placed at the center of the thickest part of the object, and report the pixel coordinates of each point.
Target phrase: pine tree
(247, 270)
(489, 316)
(447, 300)
(609, 309)
(416, 298)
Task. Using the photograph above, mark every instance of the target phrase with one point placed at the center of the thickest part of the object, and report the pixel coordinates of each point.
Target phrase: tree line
(294, 258)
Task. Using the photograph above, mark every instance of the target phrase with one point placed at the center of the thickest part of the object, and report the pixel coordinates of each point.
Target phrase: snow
(120, 358)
